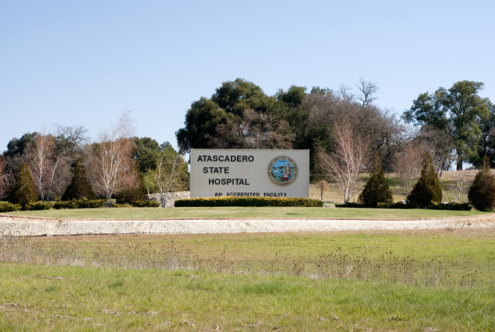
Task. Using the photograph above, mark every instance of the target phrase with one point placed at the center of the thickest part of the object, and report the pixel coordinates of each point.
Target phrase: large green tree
(23, 192)
(455, 111)
(147, 153)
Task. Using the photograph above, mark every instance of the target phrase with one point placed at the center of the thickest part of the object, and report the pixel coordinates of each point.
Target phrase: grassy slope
(243, 212)
(247, 296)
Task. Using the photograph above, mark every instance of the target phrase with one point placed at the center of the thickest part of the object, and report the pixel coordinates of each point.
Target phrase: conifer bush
(79, 188)
(9, 207)
(376, 189)
(427, 190)
(482, 192)
(23, 192)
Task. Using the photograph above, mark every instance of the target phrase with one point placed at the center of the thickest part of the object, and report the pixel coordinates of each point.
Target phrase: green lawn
(244, 212)
(382, 281)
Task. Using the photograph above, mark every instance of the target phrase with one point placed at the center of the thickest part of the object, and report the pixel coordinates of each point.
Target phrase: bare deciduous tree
(347, 161)
(167, 173)
(322, 185)
(47, 167)
(407, 165)
(111, 162)
(70, 139)
(461, 181)
(368, 90)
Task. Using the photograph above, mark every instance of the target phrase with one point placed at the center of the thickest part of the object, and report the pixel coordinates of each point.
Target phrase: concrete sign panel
(261, 173)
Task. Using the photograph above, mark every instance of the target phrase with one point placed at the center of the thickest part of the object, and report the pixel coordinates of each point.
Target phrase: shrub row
(80, 204)
(248, 201)
(39, 205)
(9, 207)
(437, 206)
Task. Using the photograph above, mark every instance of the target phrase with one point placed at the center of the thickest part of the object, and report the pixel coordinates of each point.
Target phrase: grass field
(382, 281)
(244, 212)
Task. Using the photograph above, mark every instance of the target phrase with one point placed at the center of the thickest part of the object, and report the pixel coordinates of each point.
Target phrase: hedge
(39, 205)
(9, 207)
(437, 206)
(80, 204)
(249, 201)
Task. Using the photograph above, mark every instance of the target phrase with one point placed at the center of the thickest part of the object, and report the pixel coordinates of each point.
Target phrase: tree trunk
(459, 162)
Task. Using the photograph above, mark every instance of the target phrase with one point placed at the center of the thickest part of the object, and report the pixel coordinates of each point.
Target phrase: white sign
(260, 173)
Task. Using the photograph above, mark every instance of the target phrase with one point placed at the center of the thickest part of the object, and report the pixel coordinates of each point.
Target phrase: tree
(407, 165)
(226, 107)
(48, 169)
(5, 178)
(322, 185)
(460, 182)
(133, 190)
(23, 192)
(482, 192)
(455, 111)
(254, 131)
(112, 163)
(368, 90)
(69, 140)
(168, 173)
(347, 161)
(79, 187)
(236, 96)
(16, 152)
(427, 189)
(147, 153)
(486, 145)
(439, 144)
(201, 123)
(376, 189)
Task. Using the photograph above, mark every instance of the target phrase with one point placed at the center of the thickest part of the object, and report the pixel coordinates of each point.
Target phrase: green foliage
(23, 192)
(456, 111)
(39, 205)
(451, 206)
(79, 188)
(249, 201)
(9, 207)
(147, 153)
(80, 204)
(146, 203)
(482, 191)
(427, 190)
(200, 124)
(376, 189)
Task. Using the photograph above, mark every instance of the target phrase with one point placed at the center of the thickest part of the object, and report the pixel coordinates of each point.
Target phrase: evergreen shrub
(9, 207)
(23, 192)
(146, 203)
(80, 204)
(427, 190)
(40, 205)
(376, 189)
(482, 191)
(79, 187)
(451, 206)
(249, 201)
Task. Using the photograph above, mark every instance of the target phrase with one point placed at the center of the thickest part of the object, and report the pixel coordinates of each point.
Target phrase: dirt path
(21, 226)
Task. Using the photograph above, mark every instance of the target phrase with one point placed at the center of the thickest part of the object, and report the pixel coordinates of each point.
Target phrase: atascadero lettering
(225, 158)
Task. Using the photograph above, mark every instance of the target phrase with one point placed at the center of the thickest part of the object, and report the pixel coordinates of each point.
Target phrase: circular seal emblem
(282, 171)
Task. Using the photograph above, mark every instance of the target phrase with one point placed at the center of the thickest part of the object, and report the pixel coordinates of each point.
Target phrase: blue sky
(85, 62)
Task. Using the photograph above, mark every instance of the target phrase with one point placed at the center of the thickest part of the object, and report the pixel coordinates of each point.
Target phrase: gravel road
(14, 226)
